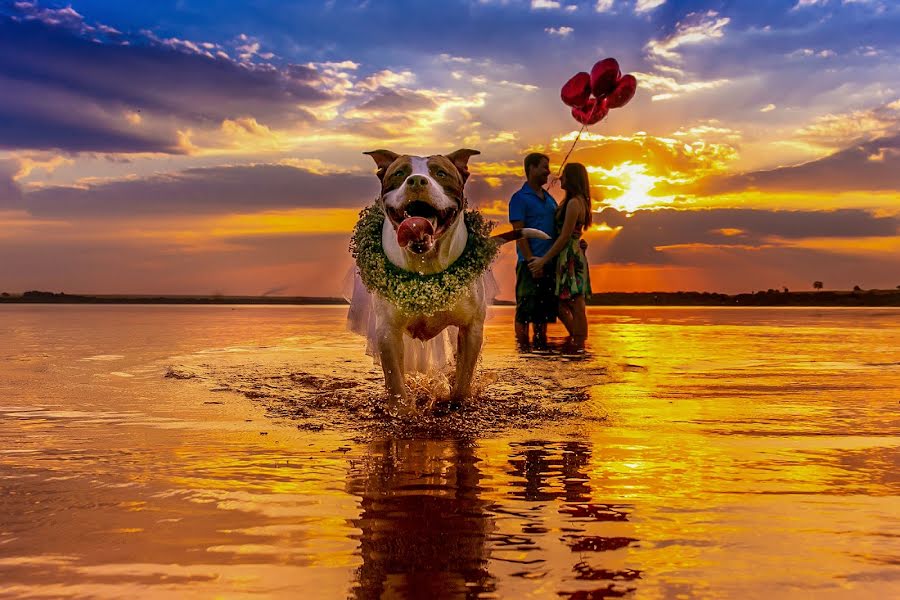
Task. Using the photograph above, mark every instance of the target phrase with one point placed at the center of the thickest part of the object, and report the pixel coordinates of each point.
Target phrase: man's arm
(523, 244)
(573, 213)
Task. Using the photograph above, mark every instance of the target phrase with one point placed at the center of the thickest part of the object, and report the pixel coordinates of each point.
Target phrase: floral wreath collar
(410, 292)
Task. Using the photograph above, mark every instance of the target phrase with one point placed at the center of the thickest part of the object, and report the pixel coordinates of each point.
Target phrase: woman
(573, 278)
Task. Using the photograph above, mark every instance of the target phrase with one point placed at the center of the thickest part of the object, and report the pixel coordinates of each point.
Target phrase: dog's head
(422, 197)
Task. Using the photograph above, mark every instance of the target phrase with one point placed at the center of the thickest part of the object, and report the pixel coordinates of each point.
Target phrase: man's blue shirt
(526, 206)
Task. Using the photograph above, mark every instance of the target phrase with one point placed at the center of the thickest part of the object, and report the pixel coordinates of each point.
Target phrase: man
(536, 301)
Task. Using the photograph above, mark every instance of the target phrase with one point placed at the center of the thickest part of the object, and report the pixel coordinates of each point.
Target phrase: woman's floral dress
(573, 277)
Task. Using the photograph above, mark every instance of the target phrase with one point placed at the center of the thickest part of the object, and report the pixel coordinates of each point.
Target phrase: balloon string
(563, 163)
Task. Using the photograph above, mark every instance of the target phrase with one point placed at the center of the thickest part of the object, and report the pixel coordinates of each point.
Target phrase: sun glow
(636, 184)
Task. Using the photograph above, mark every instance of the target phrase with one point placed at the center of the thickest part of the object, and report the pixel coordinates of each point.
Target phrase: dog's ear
(383, 159)
(460, 159)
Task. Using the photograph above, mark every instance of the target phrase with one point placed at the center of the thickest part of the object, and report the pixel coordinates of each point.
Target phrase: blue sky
(193, 147)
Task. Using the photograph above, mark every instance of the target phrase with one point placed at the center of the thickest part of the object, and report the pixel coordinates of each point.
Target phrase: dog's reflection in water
(423, 525)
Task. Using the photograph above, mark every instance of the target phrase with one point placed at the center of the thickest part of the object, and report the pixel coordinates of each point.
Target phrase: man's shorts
(536, 300)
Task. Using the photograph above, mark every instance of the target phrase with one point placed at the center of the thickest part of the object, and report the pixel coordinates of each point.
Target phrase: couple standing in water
(552, 276)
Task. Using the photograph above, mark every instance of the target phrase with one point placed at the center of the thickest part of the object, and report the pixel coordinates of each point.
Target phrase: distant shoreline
(767, 298)
(63, 298)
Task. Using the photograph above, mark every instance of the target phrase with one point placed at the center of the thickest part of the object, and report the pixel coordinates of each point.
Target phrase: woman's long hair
(577, 184)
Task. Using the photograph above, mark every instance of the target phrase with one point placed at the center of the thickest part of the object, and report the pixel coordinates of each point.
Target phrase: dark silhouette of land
(773, 297)
(766, 298)
(39, 297)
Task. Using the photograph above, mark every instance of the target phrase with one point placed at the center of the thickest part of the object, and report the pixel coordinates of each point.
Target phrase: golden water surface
(702, 453)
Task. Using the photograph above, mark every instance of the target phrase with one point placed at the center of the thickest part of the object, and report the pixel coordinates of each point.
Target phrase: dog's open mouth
(419, 224)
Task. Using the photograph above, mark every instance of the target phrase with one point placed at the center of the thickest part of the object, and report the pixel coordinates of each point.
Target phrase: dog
(424, 231)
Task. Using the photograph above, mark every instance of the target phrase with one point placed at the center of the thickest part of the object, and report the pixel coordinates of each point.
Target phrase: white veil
(420, 356)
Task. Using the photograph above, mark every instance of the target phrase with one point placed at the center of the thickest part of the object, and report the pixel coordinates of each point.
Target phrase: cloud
(210, 190)
(10, 192)
(698, 28)
(544, 4)
(879, 6)
(249, 49)
(668, 78)
(711, 130)
(643, 235)
(485, 72)
(396, 101)
(733, 269)
(666, 88)
(808, 52)
(832, 130)
(559, 31)
(386, 79)
(64, 17)
(644, 6)
(666, 157)
(33, 162)
(298, 264)
(63, 90)
(806, 3)
(414, 119)
(870, 166)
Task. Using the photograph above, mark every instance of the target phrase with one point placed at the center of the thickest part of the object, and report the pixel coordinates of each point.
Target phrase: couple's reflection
(426, 531)
(558, 474)
(547, 471)
(423, 525)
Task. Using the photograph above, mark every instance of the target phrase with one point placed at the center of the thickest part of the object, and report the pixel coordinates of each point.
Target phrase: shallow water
(199, 452)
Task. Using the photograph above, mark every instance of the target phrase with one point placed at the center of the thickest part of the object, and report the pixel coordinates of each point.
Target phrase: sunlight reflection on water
(697, 453)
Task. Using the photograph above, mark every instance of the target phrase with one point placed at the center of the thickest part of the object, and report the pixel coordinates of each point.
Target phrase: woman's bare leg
(579, 321)
(567, 316)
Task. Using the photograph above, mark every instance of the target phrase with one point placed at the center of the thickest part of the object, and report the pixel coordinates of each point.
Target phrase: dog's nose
(417, 182)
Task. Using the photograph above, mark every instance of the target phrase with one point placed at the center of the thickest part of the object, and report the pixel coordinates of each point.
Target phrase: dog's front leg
(468, 349)
(390, 348)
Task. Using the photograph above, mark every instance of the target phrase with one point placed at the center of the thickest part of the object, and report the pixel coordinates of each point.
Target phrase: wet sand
(240, 452)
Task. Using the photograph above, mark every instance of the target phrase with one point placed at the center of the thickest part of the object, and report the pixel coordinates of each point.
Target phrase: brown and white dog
(425, 231)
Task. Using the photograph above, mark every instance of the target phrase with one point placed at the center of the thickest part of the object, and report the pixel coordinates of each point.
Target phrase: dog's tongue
(414, 229)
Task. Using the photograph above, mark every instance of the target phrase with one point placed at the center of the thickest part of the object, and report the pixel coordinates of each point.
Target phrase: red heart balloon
(591, 112)
(577, 90)
(604, 76)
(624, 92)
(599, 111)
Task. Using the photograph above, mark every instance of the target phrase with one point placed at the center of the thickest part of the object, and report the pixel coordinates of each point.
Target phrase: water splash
(504, 395)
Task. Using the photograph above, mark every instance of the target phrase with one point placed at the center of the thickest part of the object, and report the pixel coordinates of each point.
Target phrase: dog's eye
(399, 174)
(441, 173)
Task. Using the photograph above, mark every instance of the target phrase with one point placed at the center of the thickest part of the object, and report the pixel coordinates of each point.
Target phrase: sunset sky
(199, 147)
